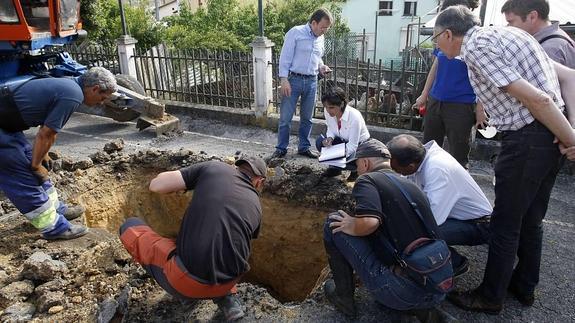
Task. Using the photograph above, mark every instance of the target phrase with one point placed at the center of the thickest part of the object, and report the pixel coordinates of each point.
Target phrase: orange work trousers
(157, 255)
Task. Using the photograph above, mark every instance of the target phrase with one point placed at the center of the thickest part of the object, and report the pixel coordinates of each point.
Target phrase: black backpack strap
(569, 40)
(387, 244)
(414, 205)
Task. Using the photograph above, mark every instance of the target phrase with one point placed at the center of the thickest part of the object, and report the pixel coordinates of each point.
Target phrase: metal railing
(221, 78)
(92, 55)
(382, 92)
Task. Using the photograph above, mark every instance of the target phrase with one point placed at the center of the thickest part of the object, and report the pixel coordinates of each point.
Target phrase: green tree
(101, 19)
(223, 24)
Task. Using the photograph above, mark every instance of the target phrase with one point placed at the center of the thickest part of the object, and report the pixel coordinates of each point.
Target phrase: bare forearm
(566, 78)
(44, 140)
(549, 114)
(544, 109)
(568, 94)
(430, 78)
(168, 182)
(365, 226)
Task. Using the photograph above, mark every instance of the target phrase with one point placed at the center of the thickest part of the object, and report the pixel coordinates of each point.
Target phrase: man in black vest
(354, 242)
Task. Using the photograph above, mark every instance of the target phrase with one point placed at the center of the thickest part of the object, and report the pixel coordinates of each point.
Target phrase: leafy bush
(224, 24)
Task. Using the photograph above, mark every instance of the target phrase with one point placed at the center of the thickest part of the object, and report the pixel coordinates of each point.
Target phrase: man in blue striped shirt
(300, 63)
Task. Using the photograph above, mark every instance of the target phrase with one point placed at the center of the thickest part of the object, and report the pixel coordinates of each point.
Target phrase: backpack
(568, 40)
(426, 260)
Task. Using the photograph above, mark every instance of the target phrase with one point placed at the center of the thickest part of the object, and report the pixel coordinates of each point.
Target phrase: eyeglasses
(434, 38)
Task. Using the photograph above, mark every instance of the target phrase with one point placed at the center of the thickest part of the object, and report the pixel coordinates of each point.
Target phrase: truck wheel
(131, 83)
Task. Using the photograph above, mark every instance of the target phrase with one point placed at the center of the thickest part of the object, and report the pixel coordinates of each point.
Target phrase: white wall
(361, 14)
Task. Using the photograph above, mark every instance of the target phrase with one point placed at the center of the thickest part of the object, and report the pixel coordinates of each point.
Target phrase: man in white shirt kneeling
(459, 206)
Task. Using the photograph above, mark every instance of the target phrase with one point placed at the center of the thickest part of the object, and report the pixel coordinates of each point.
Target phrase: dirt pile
(93, 278)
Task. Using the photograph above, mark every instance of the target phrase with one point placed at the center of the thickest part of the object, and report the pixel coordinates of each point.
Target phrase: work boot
(73, 232)
(340, 290)
(73, 212)
(277, 154)
(308, 153)
(231, 307)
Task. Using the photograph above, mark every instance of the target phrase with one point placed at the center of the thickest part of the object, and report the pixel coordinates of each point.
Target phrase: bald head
(407, 153)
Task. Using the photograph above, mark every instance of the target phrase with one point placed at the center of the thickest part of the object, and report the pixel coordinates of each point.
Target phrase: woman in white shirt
(344, 124)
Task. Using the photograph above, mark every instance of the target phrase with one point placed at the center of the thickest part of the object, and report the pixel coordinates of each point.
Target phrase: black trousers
(454, 120)
(525, 173)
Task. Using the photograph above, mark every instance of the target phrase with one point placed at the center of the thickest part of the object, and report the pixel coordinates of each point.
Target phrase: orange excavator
(32, 35)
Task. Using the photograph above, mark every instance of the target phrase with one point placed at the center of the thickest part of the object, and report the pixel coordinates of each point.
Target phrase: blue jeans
(306, 88)
(463, 233)
(391, 290)
(525, 173)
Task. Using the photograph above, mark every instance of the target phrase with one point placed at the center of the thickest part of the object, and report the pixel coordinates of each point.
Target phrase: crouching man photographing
(385, 221)
(213, 246)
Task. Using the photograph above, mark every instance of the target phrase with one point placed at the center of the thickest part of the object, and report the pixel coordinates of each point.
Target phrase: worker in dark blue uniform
(48, 103)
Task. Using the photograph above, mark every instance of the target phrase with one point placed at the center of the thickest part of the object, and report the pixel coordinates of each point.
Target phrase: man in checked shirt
(518, 85)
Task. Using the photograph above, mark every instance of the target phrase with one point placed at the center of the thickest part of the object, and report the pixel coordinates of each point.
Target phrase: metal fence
(92, 55)
(221, 78)
(349, 45)
(383, 93)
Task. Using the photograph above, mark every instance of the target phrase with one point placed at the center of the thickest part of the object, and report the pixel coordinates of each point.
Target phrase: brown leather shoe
(308, 153)
(472, 300)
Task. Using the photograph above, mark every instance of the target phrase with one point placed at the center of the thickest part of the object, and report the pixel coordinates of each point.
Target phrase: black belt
(301, 75)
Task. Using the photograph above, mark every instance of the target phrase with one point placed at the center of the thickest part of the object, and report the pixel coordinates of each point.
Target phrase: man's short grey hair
(458, 19)
(101, 77)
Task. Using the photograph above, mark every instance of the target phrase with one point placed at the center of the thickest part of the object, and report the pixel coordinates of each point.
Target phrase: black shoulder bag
(426, 260)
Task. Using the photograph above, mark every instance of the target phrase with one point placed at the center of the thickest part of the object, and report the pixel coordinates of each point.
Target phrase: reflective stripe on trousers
(38, 202)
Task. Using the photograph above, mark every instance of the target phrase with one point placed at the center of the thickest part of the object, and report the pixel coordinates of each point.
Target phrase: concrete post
(263, 79)
(126, 51)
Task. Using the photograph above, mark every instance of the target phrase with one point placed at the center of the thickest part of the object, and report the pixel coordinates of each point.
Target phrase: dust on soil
(288, 257)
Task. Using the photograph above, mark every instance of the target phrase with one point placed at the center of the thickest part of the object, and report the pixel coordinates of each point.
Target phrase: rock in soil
(41, 266)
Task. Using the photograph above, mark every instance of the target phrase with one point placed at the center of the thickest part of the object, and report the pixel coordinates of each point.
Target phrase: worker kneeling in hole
(212, 248)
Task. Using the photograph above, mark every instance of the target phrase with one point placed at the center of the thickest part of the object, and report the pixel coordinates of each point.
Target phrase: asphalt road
(84, 134)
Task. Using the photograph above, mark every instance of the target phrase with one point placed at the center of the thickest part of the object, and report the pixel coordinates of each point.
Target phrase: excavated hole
(287, 258)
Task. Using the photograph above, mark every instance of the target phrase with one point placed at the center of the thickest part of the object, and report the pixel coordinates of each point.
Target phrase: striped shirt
(499, 56)
(301, 52)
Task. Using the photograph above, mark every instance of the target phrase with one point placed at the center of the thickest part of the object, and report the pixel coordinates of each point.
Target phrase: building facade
(389, 25)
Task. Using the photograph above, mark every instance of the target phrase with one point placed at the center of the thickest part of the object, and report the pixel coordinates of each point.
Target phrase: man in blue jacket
(48, 103)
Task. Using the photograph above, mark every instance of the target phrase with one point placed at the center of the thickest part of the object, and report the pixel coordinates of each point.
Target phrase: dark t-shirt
(398, 219)
(48, 101)
(224, 215)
